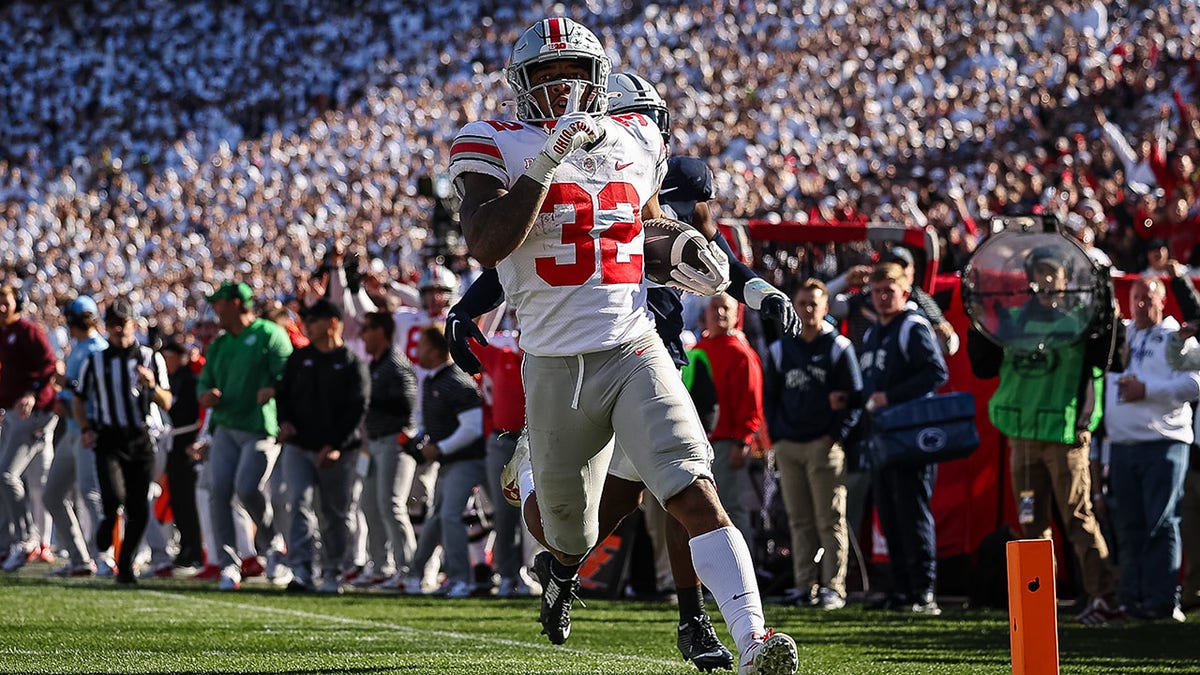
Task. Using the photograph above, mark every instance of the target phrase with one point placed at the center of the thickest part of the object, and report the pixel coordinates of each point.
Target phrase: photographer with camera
(1048, 403)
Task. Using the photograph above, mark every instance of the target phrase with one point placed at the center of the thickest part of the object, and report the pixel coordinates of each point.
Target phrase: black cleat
(557, 595)
(698, 642)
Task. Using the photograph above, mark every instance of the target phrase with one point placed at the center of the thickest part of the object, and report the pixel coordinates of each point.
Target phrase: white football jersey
(409, 324)
(576, 282)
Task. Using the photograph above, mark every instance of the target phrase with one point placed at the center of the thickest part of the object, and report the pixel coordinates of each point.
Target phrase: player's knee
(698, 509)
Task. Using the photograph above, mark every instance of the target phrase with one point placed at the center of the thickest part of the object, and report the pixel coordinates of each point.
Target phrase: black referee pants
(125, 466)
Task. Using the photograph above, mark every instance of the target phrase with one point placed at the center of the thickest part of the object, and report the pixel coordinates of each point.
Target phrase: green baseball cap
(232, 291)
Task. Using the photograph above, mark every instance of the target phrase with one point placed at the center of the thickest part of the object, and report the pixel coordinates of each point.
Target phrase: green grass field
(90, 626)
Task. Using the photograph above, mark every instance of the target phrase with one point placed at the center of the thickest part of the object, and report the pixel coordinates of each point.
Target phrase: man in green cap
(238, 386)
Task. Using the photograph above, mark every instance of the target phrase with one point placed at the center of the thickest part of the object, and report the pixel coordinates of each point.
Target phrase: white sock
(723, 563)
(525, 480)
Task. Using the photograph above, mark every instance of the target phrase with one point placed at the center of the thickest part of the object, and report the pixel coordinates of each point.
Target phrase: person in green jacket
(1048, 404)
(237, 385)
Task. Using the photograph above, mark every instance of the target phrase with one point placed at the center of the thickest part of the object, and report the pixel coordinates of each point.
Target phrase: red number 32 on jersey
(620, 216)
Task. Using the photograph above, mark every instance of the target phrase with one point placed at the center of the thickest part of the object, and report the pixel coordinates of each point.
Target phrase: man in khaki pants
(1048, 404)
(808, 381)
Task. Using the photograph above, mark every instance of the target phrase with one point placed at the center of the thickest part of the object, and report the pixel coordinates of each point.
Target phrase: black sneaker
(557, 595)
(698, 642)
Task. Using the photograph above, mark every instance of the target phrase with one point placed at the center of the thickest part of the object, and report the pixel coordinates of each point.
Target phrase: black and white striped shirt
(109, 380)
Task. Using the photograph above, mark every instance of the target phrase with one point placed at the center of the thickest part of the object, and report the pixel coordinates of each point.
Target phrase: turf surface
(90, 626)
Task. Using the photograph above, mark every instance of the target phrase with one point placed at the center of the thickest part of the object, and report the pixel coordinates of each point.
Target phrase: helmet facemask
(549, 41)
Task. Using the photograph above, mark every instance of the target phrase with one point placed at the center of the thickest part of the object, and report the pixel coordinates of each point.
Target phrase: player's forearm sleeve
(484, 295)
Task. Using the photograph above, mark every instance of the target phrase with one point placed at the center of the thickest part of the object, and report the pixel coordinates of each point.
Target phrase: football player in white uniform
(689, 184)
(555, 202)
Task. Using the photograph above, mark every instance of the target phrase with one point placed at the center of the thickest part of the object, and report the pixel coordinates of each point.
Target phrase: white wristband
(542, 169)
(756, 290)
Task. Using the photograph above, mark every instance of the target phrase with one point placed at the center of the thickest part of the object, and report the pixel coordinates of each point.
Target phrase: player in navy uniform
(685, 190)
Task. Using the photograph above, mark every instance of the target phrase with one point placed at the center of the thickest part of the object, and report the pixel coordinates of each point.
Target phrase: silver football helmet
(554, 39)
(628, 92)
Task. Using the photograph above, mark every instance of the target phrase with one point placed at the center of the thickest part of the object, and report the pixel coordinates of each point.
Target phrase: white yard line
(452, 635)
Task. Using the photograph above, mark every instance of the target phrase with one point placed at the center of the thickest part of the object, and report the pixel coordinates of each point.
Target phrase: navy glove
(776, 307)
(459, 331)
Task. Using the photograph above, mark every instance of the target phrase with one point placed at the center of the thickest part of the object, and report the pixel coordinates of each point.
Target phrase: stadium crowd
(152, 154)
(235, 140)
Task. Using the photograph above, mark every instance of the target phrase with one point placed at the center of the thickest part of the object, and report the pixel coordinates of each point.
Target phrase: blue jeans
(903, 493)
(1147, 484)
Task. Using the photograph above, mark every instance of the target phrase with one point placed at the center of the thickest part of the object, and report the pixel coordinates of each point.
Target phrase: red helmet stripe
(556, 30)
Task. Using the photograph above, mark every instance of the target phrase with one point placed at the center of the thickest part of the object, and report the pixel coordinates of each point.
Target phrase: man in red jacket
(27, 369)
(737, 373)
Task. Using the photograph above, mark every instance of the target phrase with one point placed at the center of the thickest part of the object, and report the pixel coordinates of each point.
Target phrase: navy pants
(902, 498)
(1147, 485)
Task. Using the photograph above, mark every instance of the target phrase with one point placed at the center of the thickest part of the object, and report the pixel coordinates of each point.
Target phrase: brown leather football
(670, 242)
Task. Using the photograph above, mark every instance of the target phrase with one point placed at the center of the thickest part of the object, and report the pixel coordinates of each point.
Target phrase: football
(670, 242)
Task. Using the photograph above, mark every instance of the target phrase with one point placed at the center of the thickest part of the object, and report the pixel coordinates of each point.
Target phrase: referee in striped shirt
(121, 382)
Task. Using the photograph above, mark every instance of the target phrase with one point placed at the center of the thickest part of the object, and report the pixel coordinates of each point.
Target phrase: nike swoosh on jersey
(621, 166)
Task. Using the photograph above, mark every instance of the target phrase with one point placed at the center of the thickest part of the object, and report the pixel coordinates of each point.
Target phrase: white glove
(571, 132)
(713, 279)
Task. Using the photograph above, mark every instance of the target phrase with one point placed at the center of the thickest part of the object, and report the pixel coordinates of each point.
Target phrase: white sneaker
(276, 569)
(509, 484)
(368, 577)
(164, 570)
(282, 576)
(18, 555)
(828, 599)
(770, 654)
(231, 579)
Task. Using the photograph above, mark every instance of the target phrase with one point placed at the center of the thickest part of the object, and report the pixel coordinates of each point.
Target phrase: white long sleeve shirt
(1164, 413)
